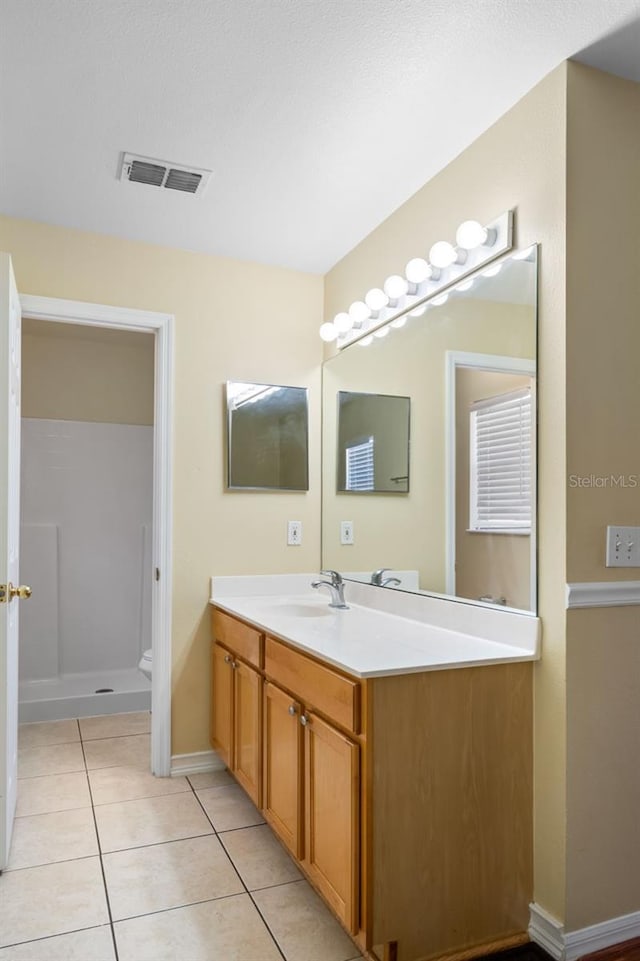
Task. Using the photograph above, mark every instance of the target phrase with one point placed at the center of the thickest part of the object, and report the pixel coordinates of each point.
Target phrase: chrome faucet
(378, 579)
(336, 586)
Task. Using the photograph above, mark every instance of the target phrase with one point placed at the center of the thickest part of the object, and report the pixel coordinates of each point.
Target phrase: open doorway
(86, 520)
(159, 328)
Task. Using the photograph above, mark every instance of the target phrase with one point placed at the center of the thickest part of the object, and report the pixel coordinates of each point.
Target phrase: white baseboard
(546, 931)
(550, 934)
(195, 763)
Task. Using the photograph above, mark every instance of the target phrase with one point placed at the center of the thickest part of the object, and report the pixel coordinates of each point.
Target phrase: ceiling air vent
(162, 173)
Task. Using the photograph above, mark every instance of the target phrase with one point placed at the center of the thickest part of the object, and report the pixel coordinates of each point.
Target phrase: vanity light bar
(476, 246)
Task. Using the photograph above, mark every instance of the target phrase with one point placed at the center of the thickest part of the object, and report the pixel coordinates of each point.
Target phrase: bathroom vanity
(392, 756)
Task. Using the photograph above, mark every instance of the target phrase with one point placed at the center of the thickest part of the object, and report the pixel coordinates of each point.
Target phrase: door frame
(499, 364)
(122, 318)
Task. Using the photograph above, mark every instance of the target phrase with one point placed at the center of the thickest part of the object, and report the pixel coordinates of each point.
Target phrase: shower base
(74, 695)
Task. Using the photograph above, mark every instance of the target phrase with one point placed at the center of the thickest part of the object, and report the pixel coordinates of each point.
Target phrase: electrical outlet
(294, 533)
(623, 546)
(346, 532)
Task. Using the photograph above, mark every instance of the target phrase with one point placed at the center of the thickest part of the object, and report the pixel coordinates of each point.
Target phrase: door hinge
(157, 573)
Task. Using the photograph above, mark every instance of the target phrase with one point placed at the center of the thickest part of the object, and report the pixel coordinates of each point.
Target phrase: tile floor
(109, 863)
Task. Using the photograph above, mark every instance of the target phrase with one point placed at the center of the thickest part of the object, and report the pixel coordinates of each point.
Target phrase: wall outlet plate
(294, 533)
(346, 532)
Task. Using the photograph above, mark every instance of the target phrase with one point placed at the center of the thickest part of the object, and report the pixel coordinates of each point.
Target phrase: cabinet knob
(227, 659)
(292, 710)
(234, 664)
(304, 720)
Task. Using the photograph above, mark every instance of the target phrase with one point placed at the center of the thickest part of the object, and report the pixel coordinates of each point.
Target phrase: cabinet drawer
(243, 640)
(333, 695)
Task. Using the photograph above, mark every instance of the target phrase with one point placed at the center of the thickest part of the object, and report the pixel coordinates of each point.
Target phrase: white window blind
(360, 466)
(500, 459)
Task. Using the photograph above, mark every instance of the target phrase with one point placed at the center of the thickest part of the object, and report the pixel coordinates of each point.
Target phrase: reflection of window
(500, 462)
(360, 466)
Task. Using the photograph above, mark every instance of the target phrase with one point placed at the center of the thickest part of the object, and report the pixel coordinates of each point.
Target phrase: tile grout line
(95, 824)
(242, 881)
(267, 887)
(48, 937)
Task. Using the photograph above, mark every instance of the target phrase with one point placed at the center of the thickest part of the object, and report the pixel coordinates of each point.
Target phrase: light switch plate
(346, 532)
(623, 546)
(294, 533)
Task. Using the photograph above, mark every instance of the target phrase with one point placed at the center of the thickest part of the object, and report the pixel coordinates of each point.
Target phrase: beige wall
(233, 321)
(518, 163)
(73, 372)
(603, 403)
(498, 565)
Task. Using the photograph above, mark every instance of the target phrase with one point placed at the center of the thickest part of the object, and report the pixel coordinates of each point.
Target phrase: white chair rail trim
(603, 594)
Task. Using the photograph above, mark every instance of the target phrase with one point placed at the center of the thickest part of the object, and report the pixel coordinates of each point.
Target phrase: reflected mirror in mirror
(467, 526)
(373, 443)
(267, 437)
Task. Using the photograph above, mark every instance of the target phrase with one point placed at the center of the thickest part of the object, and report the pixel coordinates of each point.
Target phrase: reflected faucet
(378, 579)
(336, 586)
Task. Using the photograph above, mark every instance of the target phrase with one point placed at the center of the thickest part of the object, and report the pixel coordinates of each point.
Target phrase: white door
(9, 548)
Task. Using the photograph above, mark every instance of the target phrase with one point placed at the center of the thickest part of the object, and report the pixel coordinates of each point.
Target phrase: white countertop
(366, 641)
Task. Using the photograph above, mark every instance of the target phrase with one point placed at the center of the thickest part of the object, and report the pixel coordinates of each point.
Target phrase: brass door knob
(23, 592)
(8, 592)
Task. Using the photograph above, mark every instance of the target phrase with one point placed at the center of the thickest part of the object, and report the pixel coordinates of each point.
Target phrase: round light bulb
(366, 340)
(417, 270)
(492, 271)
(419, 311)
(399, 321)
(359, 312)
(443, 254)
(381, 332)
(376, 299)
(395, 287)
(439, 301)
(343, 322)
(471, 234)
(328, 332)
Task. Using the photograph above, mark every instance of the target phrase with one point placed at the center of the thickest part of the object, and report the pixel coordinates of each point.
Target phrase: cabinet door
(282, 785)
(247, 758)
(332, 816)
(222, 703)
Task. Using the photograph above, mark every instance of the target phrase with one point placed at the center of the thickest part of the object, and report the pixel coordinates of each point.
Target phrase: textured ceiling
(317, 117)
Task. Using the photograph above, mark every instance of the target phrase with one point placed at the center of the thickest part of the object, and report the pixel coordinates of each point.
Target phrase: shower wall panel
(86, 535)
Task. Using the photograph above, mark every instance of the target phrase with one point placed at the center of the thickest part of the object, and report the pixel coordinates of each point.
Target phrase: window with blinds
(360, 466)
(500, 463)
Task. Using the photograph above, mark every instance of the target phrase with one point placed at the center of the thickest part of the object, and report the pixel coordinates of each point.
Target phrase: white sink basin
(300, 609)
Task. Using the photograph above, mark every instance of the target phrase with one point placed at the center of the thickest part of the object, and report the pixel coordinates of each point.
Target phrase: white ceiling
(318, 117)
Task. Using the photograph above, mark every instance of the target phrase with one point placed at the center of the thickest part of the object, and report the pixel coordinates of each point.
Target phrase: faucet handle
(336, 577)
(376, 577)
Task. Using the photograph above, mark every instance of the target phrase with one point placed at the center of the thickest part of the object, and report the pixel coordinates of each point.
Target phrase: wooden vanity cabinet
(236, 694)
(282, 766)
(407, 799)
(332, 817)
(312, 772)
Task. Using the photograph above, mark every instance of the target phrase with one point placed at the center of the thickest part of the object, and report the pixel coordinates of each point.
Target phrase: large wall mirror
(267, 437)
(466, 525)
